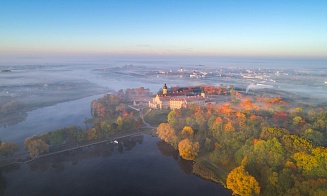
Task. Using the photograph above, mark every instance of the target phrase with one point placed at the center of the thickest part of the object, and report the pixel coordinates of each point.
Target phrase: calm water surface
(138, 165)
(49, 119)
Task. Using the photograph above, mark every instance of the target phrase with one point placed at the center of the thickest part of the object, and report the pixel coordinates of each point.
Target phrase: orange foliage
(188, 150)
(238, 94)
(99, 108)
(255, 141)
(209, 108)
(229, 127)
(213, 90)
(225, 109)
(248, 105)
(216, 145)
(198, 110)
(274, 101)
(218, 120)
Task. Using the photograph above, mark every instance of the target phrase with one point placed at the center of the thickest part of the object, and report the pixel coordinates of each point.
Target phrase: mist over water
(53, 96)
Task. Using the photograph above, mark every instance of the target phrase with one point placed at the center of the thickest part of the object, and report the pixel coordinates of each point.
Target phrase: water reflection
(12, 118)
(126, 168)
(3, 180)
(167, 150)
(104, 150)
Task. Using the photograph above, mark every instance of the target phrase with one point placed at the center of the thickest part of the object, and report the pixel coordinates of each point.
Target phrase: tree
(8, 148)
(241, 118)
(269, 153)
(188, 132)
(271, 132)
(167, 133)
(37, 147)
(56, 137)
(121, 108)
(188, 150)
(294, 143)
(172, 118)
(313, 164)
(242, 183)
(105, 128)
(229, 127)
(208, 144)
(92, 134)
(201, 122)
(314, 136)
(120, 122)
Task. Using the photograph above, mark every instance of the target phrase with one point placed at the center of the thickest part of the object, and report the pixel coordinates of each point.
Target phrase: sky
(263, 28)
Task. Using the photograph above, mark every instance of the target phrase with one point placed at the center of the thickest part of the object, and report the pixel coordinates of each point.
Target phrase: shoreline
(86, 144)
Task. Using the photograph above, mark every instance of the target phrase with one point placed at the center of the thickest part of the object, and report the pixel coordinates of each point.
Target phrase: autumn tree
(248, 105)
(314, 163)
(241, 119)
(242, 183)
(167, 133)
(187, 132)
(228, 127)
(294, 143)
(36, 147)
(188, 150)
(92, 134)
(8, 148)
(271, 132)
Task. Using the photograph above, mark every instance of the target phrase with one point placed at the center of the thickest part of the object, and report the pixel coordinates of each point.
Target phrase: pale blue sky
(176, 28)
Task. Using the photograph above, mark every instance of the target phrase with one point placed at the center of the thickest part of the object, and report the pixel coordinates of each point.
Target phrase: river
(48, 119)
(138, 165)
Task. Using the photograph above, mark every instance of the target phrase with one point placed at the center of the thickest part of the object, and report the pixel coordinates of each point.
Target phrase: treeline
(276, 147)
(110, 115)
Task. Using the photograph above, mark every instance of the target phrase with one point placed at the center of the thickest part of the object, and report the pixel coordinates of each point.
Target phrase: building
(160, 102)
(175, 100)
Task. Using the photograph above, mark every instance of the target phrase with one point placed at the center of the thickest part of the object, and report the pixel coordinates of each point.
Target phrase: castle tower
(164, 89)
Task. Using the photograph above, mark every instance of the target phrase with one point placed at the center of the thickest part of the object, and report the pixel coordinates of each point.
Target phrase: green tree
(269, 153)
(105, 128)
(314, 136)
(56, 138)
(120, 122)
(172, 118)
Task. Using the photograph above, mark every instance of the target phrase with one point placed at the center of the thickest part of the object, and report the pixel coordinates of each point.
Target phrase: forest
(268, 145)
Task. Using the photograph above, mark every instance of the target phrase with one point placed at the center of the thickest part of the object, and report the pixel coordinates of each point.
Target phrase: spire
(164, 89)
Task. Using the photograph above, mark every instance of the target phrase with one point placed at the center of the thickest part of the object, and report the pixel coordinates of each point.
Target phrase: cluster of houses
(175, 100)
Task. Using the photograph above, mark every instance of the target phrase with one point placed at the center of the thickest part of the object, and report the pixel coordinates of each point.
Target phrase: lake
(137, 165)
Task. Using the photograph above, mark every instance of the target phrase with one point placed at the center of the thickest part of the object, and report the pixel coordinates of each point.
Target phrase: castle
(175, 100)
